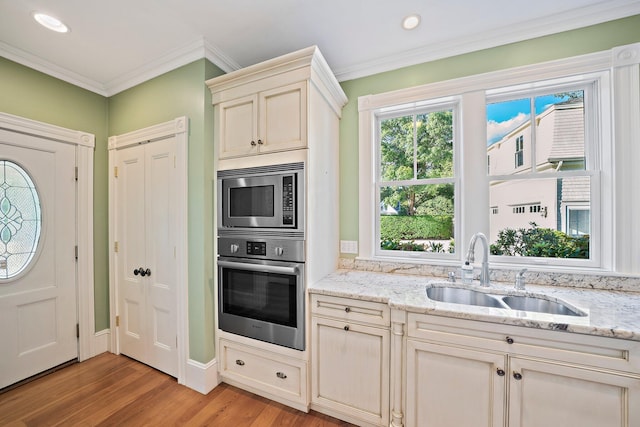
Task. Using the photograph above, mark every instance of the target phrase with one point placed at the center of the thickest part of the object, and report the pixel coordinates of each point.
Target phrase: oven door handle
(259, 267)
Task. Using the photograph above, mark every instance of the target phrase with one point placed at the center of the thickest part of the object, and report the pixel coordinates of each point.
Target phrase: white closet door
(38, 309)
(160, 228)
(146, 268)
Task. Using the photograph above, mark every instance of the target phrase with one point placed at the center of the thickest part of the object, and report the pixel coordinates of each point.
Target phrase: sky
(503, 117)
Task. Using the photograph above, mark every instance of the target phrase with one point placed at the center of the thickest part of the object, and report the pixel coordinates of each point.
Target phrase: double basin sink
(538, 304)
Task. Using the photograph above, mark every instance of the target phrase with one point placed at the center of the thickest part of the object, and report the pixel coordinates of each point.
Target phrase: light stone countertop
(611, 313)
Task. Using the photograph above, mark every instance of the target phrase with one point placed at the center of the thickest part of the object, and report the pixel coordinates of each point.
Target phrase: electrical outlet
(348, 246)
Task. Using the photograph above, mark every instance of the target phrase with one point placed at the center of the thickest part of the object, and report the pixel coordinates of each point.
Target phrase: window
(519, 151)
(577, 168)
(415, 182)
(20, 220)
(557, 170)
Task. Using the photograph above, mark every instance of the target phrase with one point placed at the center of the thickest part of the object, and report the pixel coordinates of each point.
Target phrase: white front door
(146, 188)
(38, 309)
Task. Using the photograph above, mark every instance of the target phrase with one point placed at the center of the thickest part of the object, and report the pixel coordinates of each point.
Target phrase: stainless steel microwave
(262, 198)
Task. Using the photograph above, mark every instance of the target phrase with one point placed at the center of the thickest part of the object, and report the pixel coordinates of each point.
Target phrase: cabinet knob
(136, 271)
(281, 375)
(346, 328)
(509, 340)
(260, 142)
(517, 376)
(500, 372)
(239, 362)
(253, 143)
(347, 309)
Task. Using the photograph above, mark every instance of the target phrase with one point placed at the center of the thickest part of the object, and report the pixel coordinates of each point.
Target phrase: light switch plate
(348, 246)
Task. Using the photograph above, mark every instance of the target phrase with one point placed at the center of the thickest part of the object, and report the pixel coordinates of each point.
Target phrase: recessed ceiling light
(48, 21)
(410, 22)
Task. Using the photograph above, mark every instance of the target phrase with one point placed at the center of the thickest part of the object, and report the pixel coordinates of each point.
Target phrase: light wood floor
(110, 390)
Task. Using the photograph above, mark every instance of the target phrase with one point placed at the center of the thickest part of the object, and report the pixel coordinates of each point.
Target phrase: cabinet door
(238, 121)
(283, 118)
(549, 394)
(351, 369)
(453, 386)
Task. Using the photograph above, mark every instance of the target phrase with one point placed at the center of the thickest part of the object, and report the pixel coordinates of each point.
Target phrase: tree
(418, 146)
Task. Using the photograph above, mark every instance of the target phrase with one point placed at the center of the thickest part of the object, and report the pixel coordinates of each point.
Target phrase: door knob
(137, 271)
(147, 272)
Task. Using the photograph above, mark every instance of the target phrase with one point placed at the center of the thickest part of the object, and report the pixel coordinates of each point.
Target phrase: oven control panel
(257, 248)
(271, 249)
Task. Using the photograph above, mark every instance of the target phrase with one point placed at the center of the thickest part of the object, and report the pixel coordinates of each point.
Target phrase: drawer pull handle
(281, 375)
(240, 362)
(509, 340)
(347, 309)
(346, 328)
(517, 375)
(500, 372)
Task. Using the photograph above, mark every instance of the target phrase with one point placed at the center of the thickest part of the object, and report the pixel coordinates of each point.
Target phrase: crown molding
(28, 60)
(571, 20)
(173, 59)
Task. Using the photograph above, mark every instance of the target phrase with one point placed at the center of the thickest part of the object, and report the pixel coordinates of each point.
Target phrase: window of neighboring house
(415, 180)
(555, 168)
(519, 157)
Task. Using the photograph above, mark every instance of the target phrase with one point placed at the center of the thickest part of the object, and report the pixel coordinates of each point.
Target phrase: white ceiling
(116, 44)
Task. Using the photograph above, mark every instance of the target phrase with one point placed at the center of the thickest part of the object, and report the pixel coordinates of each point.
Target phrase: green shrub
(416, 227)
(540, 242)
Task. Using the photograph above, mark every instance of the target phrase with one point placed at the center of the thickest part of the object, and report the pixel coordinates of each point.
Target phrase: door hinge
(115, 246)
(115, 171)
(76, 252)
(76, 173)
(77, 330)
(117, 321)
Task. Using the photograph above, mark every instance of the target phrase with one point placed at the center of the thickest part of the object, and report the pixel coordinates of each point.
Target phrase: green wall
(182, 92)
(28, 93)
(570, 43)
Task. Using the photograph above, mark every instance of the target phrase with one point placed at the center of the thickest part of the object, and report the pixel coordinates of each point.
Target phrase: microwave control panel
(288, 200)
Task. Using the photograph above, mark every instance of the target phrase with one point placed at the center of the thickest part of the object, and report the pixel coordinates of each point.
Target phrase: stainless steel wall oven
(258, 296)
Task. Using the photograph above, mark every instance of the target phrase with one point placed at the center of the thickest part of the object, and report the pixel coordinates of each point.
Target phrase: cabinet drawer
(352, 310)
(567, 347)
(263, 370)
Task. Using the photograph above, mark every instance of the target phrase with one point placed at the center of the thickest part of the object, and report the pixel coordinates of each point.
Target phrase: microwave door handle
(259, 267)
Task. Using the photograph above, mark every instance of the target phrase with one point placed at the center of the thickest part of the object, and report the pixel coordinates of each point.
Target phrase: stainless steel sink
(540, 305)
(462, 296)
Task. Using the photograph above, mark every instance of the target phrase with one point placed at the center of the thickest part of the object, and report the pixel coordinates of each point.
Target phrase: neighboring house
(561, 204)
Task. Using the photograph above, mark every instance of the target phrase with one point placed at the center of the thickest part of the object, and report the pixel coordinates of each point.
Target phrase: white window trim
(621, 124)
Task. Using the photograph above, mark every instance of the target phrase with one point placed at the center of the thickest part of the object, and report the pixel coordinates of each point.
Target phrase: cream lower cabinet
(466, 373)
(453, 386)
(545, 393)
(350, 359)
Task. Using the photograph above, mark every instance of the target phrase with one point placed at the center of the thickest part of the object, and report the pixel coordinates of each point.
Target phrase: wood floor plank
(110, 390)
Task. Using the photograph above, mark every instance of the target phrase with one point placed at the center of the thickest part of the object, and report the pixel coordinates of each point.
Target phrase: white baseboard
(202, 377)
(101, 342)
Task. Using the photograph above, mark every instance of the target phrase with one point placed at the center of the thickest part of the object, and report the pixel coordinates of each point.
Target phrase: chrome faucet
(484, 273)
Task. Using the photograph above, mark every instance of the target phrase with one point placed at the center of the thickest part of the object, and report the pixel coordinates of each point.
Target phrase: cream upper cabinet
(286, 103)
(461, 372)
(271, 120)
